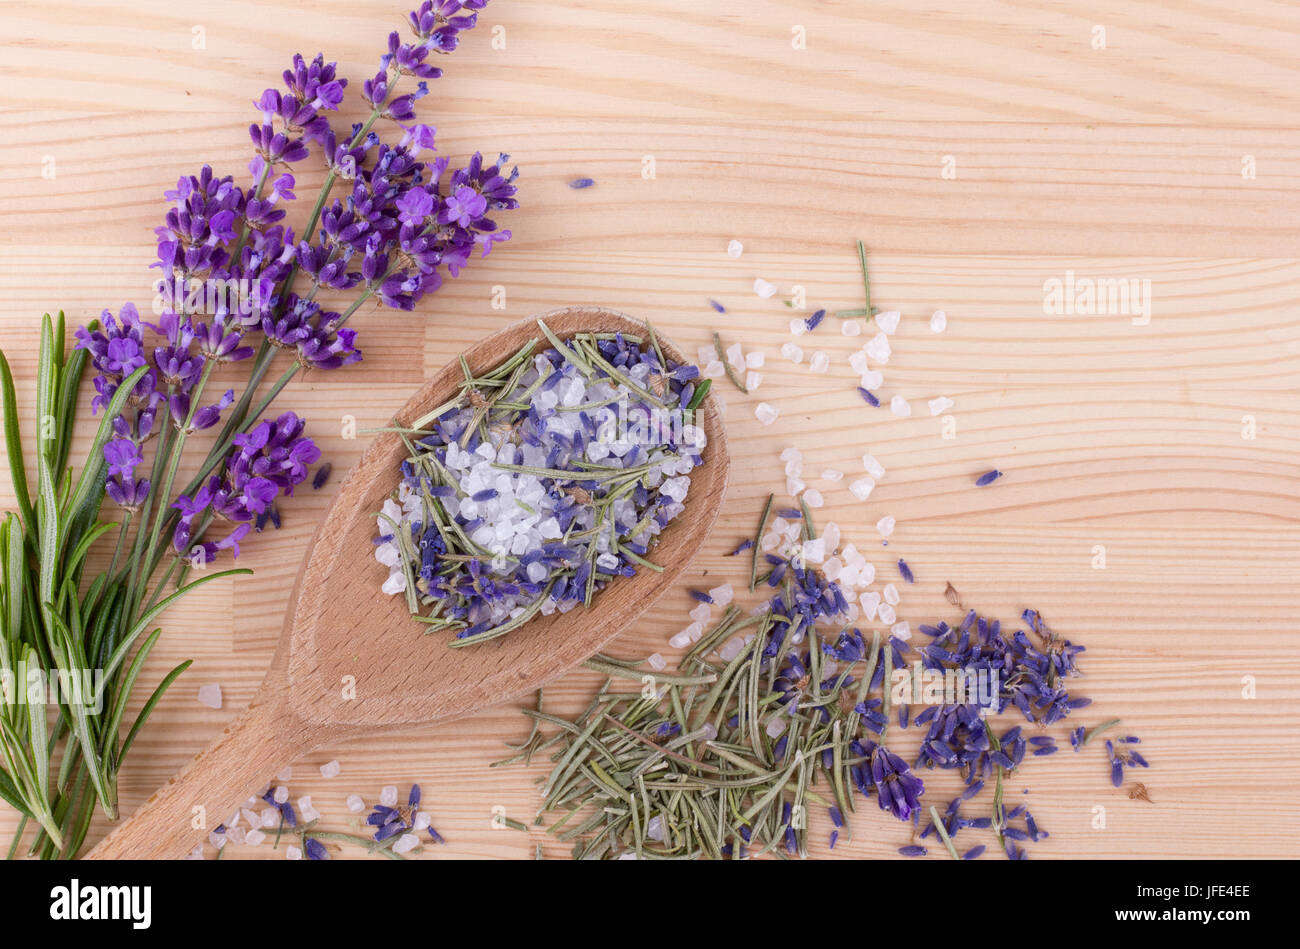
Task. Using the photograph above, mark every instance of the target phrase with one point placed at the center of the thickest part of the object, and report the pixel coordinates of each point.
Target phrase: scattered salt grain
(701, 613)
(833, 568)
(902, 630)
(237, 835)
(764, 289)
(877, 348)
(872, 466)
(723, 595)
(269, 817)
(330, 769)
(388, 795)
(792, 352)
(765, 413)
(891, 594)
(217, 840)
(900, 406)
(422, 821)
(790, 453)
(775, 726)
(888, 321)
(820, 362)
(938, 322)
(355, 804)
(292, 853)
(851, 328)
(813, 498)
(680, 640)
(735, 249)
(305, 809)
(753, 380)
(886, 613)
(858, 362)
(281, 794)
(210, 695)
(814, 551)
(656, 662)
(940, 405)
(254, 837)
(831, 534)
(794, 486)
(798, 327)
(755, 360)
(885, 526)
(870, 603)
(871, 379)
(731, 648)
(832, 474)
(862, 488)
(714, 369)
(406, 843)
(735, 356)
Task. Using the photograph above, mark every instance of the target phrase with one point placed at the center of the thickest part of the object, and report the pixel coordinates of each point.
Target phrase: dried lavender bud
(988, 477)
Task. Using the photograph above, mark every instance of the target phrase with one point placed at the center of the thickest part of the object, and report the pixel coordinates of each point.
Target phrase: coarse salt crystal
(763, 288)
(753, 380)
(814, 551)
(832, 568)
(701, 613)
(736, 356)
(755, 360)
(885, 526)
(765, 413)
(281, 794)
(422, 821)
(858, 362)
(862, 488)
(939, 405)
(820, 362)
(798, 327)
(851, 328)
(730, 649)
(292, 853)
(792, 352)
(888, 321)
(831, 534)
(790, 453)
(886, 613)
(813, 498)
(900, 406)
(938, 322)
(775, 726)
(872, 466)
(794, 486)
(877, 349)
(330, 769)
(832, 474)
(714, 369)
(355, 804)
(735, 249)
(388, 795)
(902, 630)
(679, 640)
(406, 843)
(210, 695)
(872, 379)
(723, 595)
(270, 817)
(254, 837)
(870, 603)
(891, 594)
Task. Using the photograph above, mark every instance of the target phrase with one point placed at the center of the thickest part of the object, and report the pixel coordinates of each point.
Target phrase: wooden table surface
(980, 150)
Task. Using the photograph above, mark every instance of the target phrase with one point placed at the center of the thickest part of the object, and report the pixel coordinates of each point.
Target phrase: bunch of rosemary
(71, 646)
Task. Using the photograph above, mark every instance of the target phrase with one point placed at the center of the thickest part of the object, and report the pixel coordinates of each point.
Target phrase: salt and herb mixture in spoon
(545, 479)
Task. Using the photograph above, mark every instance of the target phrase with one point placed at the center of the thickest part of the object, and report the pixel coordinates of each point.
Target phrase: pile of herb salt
(544, 480)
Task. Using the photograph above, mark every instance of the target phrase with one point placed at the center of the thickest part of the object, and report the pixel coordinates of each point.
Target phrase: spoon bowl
(351, 661)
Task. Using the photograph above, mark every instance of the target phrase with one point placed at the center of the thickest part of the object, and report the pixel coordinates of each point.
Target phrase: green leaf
(148, 707)
(11, 795)
(108, 737)
(14, 445)
(37, 729)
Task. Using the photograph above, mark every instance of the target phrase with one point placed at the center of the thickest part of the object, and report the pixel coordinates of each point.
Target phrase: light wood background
(1125, 161)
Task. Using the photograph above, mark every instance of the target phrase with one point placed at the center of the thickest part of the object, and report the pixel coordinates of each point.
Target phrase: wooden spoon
(351, 661)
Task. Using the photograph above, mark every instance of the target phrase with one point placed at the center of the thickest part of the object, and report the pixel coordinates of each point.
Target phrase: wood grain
(1118, 162)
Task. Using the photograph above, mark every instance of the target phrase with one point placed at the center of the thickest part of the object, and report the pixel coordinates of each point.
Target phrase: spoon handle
(258, 744)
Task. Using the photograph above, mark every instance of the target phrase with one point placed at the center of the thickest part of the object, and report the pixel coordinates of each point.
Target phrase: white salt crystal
(797, 328)
(654, 828)
(885, 526)
(714, 369)
(281, 794)
(888, 321)
(388, 795)
(656, 662)
(680, 640)
(858, 362)
(704, 354)
(792, 352)
(862, 488)
(236, 835)
(763, 288)
(731, 649)
(723, 595)
(269, 817)
(305, 809)
(355, 804)
(867, 573)
(330, 769)
(765, 413)
(775, 726)
(813, 497)
(422, 821)
(196, 853)
(292, 853)
(940, 405)
(736, 356)
(790, 453)
(851, 328)
(832, 474)
(870, 603)
(891, 594)
(210, 695)
(254, 819)
(886, 613)
(832, 568)
(753, 380)
(396, 583)
(820, 362)
(877, 349)
(902, 630)
(938, 322)
(814, 551)
(217, 840)
(872, 379)
(710, 731)
(831, 534)
(406, 843)
(771, 540)
(735, 249)
(701, 613)
(254, 837)
(872, 466)
(754, 360)
(794, 486)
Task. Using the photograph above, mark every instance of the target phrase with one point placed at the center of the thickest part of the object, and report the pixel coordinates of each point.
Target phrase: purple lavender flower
(988, 477)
